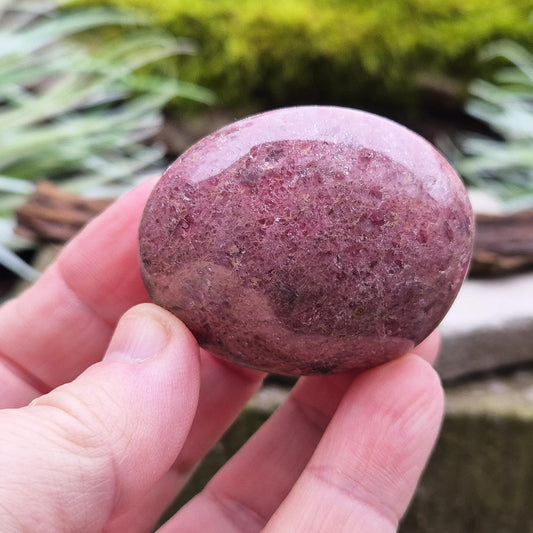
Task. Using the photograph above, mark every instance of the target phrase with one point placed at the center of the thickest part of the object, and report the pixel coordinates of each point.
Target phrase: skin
(108, 404)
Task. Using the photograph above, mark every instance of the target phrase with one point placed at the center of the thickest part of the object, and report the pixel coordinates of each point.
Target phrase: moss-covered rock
(350, 52)
(480, 477)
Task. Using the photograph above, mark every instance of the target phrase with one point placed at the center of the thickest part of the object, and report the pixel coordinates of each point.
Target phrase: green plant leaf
(77, 110)
(502, 164)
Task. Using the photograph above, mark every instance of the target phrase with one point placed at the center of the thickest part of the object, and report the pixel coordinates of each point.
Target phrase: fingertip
(429, 348)
(401, 405)
(172, 325)
(423, 372)
(409, 378)
(149, 334)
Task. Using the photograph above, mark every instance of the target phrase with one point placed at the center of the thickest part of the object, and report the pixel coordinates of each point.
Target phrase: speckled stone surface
(308, 240)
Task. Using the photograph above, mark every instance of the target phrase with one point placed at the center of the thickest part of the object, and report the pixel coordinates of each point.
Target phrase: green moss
(332, 51)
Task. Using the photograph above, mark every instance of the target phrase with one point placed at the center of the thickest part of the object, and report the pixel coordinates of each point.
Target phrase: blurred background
(96, 96)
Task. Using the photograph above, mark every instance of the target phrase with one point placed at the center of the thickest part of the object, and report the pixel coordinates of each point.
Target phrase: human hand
(91, 444)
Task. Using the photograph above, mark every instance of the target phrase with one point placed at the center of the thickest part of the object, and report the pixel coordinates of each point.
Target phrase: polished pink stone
(308, 240)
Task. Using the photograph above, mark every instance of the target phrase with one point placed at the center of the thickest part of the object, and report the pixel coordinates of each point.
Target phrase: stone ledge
(490, 325)
(495, 396)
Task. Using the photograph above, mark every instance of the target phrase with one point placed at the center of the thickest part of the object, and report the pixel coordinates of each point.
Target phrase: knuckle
(347, 485)
(78, 421)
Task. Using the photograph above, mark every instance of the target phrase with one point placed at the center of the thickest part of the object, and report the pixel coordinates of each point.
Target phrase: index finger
(63, 323)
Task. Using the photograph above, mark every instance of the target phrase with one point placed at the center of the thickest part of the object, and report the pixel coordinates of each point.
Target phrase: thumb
(84, 453)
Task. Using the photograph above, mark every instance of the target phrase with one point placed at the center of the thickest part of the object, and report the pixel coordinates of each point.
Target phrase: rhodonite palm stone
(308, 240)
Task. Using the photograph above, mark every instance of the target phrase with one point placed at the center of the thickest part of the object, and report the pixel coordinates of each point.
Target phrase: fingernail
(138, 337)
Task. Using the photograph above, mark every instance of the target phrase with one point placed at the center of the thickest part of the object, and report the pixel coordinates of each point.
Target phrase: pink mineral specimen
(308, 240)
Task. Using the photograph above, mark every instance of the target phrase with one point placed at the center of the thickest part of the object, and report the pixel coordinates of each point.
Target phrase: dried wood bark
(503, 243)
(55, 216)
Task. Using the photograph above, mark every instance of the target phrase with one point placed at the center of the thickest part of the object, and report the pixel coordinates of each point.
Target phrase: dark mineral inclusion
(308, 240)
